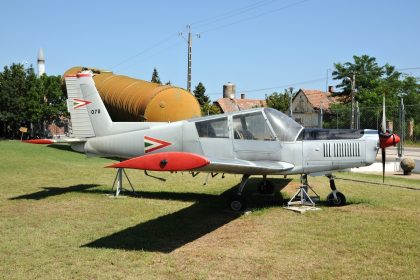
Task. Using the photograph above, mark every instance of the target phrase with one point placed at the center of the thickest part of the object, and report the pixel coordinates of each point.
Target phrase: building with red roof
(308, 105)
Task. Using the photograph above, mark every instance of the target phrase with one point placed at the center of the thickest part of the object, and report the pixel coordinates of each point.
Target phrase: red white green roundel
(153, 144)
(77, 103)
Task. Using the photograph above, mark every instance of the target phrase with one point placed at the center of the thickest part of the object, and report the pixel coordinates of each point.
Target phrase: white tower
(41, 62)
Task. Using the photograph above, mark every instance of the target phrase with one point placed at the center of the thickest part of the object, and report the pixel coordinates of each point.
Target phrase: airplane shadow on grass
(172, 231)
(169, 232)
(54, 191)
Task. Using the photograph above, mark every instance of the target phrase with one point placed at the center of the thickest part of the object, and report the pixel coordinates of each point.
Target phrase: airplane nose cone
(388, 140)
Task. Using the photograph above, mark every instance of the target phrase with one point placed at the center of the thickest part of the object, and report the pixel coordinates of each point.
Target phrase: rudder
(87, 110)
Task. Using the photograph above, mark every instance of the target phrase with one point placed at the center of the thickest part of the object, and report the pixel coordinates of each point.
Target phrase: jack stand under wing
(302, 197)
(119, 180)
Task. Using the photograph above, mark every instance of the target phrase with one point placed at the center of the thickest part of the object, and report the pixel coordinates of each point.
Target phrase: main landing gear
(335, 198)
(237, 202)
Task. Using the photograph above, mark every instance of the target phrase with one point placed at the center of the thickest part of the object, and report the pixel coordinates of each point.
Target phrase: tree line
(33, 102)
(29, 101)
(371, 82)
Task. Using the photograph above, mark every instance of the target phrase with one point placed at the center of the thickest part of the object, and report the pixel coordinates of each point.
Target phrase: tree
(210, 109)
(199, 93)
(155, 77)
(26, 100)
(278, 101)
(204, 100)
(372, 82)
(13, 88)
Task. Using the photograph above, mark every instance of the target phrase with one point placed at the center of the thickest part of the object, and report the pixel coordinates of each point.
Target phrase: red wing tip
(114, 165)
(40, 141)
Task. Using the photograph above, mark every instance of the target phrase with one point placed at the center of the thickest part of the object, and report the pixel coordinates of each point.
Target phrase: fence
(403, 119)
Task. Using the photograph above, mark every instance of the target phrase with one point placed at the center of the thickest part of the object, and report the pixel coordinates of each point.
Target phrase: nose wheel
(335, 198)
(338, 200)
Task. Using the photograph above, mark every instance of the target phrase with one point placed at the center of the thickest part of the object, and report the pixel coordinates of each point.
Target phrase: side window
(216, 128)
(251, 126)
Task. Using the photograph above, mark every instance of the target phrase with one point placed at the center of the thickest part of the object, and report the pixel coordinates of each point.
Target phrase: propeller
(386, 139)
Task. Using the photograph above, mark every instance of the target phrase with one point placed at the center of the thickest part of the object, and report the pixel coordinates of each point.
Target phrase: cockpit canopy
(285, 128)
(251, 125)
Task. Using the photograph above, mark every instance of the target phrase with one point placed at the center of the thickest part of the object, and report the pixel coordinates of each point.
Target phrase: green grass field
(57, 221)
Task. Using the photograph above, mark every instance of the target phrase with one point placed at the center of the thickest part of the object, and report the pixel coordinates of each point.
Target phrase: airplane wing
(182, 161)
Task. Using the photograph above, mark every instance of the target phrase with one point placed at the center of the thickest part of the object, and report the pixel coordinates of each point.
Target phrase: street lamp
(291, 100)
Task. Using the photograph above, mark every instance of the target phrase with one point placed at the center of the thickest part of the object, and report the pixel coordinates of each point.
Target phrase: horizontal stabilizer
(54, 141)
(170, 161)
(40, 141)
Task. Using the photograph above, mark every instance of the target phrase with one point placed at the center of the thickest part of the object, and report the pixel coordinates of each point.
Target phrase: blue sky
(254, 44)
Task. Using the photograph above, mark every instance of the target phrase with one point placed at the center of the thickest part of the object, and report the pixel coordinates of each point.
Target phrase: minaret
(41, 62)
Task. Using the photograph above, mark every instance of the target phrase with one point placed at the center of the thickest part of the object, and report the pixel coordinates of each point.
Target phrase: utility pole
(189, 42)
(352, 93)
(402, 125)
(291, 100)
(326, 82)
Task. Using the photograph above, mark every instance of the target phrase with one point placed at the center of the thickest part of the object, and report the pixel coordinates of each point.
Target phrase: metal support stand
(302, 197)
(119, 180)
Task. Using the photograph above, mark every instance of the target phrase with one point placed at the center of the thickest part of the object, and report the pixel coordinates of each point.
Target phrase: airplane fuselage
(310, 151)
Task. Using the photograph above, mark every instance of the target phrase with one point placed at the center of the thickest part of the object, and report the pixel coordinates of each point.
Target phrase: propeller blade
(383, 115)
(383, 164)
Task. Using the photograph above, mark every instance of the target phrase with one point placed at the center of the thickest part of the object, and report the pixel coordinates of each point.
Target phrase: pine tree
(199, 93)
(155, 77)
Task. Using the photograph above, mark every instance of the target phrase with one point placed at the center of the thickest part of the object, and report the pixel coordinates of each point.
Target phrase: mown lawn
(57, 221)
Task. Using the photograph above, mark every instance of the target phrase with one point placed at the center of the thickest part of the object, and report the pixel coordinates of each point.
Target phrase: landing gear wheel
(237, 203)
(266, 187)
(340, 201)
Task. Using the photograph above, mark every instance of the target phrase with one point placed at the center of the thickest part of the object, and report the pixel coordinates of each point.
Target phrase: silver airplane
(260, 141)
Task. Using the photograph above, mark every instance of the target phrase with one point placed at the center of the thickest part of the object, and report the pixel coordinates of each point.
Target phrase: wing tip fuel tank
(169, 161)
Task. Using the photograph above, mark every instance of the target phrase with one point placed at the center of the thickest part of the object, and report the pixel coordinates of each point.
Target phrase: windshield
(285, 128)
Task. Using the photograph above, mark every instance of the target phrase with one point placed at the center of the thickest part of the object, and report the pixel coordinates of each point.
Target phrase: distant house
(227, 105)
(307, 105)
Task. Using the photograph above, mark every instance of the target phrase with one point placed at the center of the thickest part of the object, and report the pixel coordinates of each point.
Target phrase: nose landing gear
(335, 198)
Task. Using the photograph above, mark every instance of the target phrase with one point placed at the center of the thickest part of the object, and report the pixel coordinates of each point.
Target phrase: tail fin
(87, 111)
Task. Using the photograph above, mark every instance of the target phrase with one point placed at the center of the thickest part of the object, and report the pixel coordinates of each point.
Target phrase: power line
(285, 85)
(256, 16)
(411, 68)
(156, 53)
(213, 20)
(300, 83)
(144, 50)
(231, 13)
(277, 87)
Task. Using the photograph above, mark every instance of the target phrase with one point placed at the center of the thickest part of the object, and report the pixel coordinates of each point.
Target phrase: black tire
(340, 201)
(266, 187)
(237, 203)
